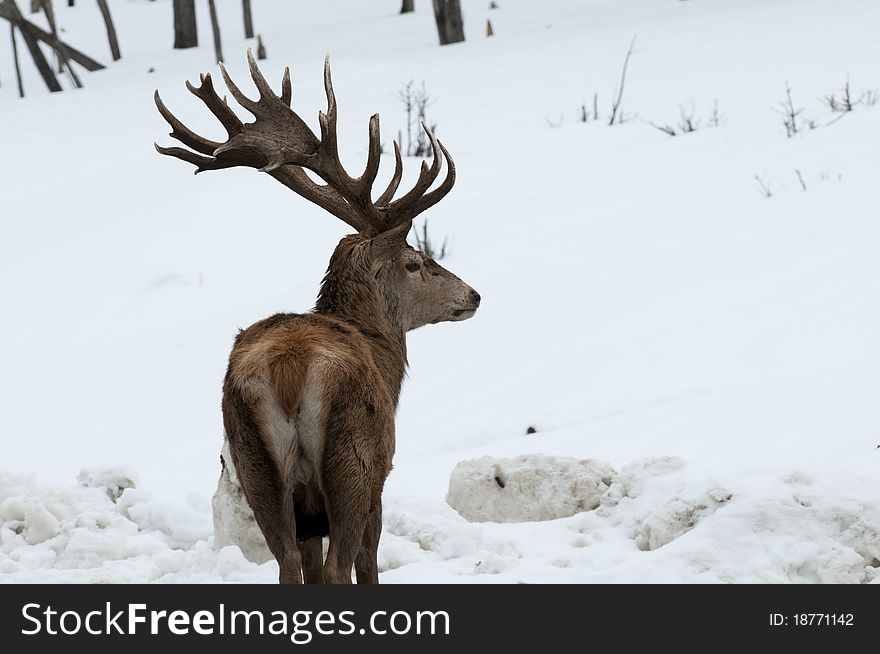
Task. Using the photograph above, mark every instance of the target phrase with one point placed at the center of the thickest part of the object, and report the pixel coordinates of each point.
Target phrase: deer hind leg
(265, 491)
(366, 565)
(290, 564)
(312, 552)
(347, 476)
(346, 532)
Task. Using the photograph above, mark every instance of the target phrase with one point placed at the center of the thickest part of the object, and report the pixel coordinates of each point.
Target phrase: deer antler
(280, 143)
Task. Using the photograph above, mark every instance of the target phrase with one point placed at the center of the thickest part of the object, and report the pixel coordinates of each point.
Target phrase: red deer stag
(309, 399)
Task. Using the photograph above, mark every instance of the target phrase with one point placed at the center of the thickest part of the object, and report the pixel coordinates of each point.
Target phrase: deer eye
(413, 266)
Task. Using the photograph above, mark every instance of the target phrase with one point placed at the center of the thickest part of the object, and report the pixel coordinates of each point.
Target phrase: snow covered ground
(643, 303)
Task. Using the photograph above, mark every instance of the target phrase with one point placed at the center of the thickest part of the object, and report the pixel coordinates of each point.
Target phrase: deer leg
(262, 485)
(345, 540)
(266, 504)
(347, 475)
(348, 509)
(365, 565)
(312, 560)
(290, 564)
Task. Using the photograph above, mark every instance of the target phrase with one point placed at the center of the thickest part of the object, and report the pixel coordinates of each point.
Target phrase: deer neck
(362, 307)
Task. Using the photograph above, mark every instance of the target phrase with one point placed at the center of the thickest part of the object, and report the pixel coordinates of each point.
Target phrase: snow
(643, 303)
(80, 534)
(233, 520)
(527, 488)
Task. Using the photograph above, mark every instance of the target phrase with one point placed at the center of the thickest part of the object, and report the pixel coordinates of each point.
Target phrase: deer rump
(297, 390)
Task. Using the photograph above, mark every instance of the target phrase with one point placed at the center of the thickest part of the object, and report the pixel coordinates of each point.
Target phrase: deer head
(373, 274)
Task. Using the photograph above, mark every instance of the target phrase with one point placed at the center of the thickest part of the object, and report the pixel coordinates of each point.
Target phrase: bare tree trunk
(111, 30)
(61, 51)
(248, 19)
(12, 12)
(406, 7)
(15, 57)
(70, 3)
(215, 26)
(185, 33)
(450, 25)
(261, 49)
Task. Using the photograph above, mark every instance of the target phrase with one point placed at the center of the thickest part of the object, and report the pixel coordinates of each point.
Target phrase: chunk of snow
(113, 480)
(529, 488)
(234, 522)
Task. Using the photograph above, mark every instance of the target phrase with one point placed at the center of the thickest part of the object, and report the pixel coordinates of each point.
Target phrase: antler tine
(200, 144)
(266, 92)
(208, 95)
(236, 92)
(183, 133)
(286, 90)
(389, 192)
(201, 162)
(328, 90)
(356, 191)
(329, 149)
(185, 155)
(374, 156)
(399, 210)
(430, 199)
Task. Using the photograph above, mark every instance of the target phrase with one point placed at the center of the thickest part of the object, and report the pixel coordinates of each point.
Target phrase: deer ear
(386, 245)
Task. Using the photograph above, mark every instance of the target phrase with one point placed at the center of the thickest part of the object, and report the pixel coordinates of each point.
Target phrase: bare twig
(846, 99)
(666, 129)
(554, 124)
(801, 179)
(422, 101)
(687, 123)
(405, 94)
(791, 117)
(715, 119)
(423, 242)
(766, 191)
(616, 114)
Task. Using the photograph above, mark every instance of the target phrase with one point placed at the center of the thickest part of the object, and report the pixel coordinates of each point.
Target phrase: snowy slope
(641, 299)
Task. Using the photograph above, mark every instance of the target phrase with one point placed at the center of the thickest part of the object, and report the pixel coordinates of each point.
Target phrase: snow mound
(754, 528)
(678, 511)
(659, 520)
(529, 488)
(234, 522)
(100, 532)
